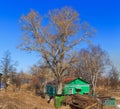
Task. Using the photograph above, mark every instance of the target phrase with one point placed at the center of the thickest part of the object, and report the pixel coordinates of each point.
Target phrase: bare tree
(114, 77)
(6, 64)
(54, 38)
(92, 63)
(7, 67)
(40, 72)
(16, 81)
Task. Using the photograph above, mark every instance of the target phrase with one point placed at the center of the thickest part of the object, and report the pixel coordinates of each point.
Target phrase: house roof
(79, 79)
(66, 80)
(54, 82)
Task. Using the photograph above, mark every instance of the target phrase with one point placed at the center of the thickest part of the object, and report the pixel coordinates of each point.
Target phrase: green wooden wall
(51, 89)
(70, 87)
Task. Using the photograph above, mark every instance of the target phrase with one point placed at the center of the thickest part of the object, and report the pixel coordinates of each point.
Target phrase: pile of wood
(81, 102)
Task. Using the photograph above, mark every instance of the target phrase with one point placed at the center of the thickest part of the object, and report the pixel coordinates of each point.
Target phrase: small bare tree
(7, 67)
(92, 63)
(54, 38)
(42, 75)
(114, 77)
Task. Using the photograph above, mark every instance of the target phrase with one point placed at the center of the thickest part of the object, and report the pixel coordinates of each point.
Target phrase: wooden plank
(91, 106)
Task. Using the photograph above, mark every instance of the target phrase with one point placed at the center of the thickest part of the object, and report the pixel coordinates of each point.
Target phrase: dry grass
(28, 100)
(23, 100)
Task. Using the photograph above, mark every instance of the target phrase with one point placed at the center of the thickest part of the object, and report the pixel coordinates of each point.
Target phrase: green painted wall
(70, 88)
(51, 90)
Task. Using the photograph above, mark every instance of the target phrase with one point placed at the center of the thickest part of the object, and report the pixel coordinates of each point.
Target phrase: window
(78, 90)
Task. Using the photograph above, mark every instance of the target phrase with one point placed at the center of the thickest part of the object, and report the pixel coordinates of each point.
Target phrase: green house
(76, 86)
(71, 86)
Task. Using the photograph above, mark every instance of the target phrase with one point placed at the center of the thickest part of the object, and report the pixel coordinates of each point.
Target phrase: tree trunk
(94, 89)
(60, 86)
(44, 86)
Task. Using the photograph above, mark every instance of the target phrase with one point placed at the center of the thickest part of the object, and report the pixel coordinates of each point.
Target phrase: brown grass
(23, 100)
(28, 100)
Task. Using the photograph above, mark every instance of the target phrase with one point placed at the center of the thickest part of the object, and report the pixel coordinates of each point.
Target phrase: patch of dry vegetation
(23, 100)
(28, 100)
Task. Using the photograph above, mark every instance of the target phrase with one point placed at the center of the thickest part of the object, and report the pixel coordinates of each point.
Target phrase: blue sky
(103, 15)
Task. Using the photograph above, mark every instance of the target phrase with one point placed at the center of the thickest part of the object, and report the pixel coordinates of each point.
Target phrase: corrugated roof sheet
(65, 80)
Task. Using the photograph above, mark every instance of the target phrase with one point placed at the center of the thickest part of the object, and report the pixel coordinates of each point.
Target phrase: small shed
(71, 86)
(51, 88)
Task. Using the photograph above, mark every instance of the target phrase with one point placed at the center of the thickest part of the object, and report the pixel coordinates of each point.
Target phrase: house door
(71, 91)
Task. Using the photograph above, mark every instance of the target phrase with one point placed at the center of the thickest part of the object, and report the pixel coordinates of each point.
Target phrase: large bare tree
(54, 37)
